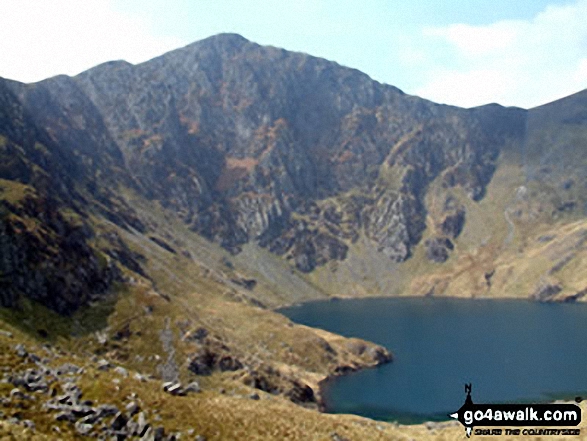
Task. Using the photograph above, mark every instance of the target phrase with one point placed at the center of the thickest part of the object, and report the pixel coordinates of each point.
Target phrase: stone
(121, 371)
(546, 291)
(91, 418)
(119, 421)
(192, 387)
(67, 368)
(20, 350)
(142, 425)
(29, 424)
(229, 363)
(301, 393)
(5, 333)
(159, 433)
(140, 377)
(438, 249)
(336, 437)
(65, 399)
(65, 416)
(132, 408)
(254, 396)
(452, 225)
(82, 411)
(83, 428)
(198, 334)
(17, 394)
(123, 333)
(105, 410)
(175, 389)
(103, 365)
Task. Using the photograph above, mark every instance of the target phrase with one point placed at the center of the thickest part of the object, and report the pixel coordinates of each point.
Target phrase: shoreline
(423, 296)
(319, 383)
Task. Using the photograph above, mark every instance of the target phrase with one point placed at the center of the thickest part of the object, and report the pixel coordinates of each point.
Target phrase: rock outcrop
(246, 143)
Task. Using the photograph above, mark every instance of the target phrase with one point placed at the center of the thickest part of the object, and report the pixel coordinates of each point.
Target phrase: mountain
(153, 214)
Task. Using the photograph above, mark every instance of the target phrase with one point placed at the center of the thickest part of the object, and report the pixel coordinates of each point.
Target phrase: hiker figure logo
(518, 415)
(468, 406)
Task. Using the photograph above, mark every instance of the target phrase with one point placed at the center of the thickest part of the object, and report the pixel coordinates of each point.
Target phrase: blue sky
(466, 53)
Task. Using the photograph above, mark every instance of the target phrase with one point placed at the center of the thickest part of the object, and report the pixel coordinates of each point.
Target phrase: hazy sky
(465, 52)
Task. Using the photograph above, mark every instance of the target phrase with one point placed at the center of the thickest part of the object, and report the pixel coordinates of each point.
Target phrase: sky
(462, 52)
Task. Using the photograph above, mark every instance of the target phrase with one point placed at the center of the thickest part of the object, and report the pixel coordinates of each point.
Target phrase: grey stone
(438, 249)
(105, 410)
(82, 411)
(29, 424)
(140, 377)
(159, 433)
(67, 368)
(142, 425)
(121, 371)
(20, 350)
(18, 394)
(192, 387)
(175, 389)
(103, 365)
(83, 428)
(65, 416)
(132, 408)
(119, 421)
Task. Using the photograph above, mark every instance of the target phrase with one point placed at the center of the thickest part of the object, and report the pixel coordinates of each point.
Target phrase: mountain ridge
(154, 216)
(244, 159)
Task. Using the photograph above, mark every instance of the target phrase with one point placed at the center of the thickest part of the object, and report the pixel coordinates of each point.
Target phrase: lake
(510, 350)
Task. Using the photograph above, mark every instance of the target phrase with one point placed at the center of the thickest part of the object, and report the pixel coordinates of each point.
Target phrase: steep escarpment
(252, 146)
(255, 144)
(153, 215)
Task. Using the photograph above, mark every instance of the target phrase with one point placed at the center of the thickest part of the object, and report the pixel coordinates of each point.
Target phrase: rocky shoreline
(386, 357)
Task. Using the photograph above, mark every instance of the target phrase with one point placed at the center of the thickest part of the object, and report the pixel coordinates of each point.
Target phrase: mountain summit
(154, 215)
(249, 144)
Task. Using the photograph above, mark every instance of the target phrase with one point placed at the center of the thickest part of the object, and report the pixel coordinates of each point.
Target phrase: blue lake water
(511, 351)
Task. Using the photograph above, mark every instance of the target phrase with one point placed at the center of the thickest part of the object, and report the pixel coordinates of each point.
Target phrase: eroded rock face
(47, 259)
(453, 223)
(251, 143)
(206, 361)
(438, 249)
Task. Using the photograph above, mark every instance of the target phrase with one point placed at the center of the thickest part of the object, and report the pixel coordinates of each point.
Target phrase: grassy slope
(217, 416)
(192, 288)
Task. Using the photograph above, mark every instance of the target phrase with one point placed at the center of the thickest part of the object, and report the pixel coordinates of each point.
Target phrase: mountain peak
(223, 40)
(227, 37)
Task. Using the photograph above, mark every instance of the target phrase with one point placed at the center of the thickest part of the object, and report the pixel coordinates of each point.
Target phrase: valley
(156, 215)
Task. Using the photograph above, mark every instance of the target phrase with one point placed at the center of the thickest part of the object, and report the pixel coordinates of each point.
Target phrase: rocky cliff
(152, 215)
(253, 144)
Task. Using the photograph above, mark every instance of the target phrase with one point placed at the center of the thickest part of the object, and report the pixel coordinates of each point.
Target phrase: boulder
(438, 249)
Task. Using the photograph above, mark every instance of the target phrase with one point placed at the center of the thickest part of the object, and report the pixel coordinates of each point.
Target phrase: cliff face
(250, 143)
(247, 143)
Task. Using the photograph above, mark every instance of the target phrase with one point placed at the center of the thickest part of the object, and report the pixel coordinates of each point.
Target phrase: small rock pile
(175, 388)
(65, 399)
